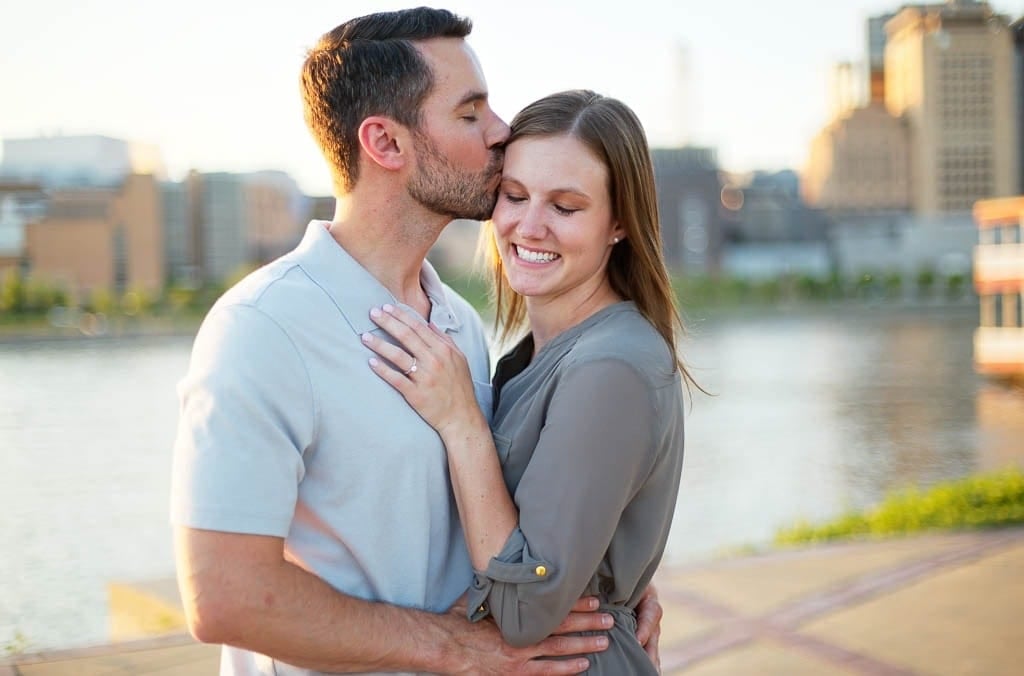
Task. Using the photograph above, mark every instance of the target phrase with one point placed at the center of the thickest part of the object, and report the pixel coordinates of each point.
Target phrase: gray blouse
(590, 437)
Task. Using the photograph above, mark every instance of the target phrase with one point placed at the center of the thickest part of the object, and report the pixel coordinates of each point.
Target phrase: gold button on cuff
(541, 571)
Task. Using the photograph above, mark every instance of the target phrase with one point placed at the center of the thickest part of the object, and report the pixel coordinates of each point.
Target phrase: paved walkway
(941, 604)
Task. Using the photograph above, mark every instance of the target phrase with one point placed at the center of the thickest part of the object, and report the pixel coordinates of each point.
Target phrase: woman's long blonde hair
(636, 267)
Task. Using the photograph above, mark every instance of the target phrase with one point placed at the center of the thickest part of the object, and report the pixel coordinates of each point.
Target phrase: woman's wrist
(462, 431)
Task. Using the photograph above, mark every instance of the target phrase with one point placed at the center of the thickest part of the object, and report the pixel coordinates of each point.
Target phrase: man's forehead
(452, 62)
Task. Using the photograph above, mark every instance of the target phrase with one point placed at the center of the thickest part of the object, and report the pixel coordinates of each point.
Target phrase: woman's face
(553, 220)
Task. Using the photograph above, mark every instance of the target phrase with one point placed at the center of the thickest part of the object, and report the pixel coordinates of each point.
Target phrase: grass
(17, 645)
(979, 501)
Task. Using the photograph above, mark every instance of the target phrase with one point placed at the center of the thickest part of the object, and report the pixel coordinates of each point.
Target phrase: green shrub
(867, 284)
(925, 281)
(102, 301)
(893, 283)
(956, 284)
(13, 293)
(984, 500)
(17, 645)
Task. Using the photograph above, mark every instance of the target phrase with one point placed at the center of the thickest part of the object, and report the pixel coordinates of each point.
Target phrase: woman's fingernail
(373, 361)
(602, 641)
(374, 312)
(366, 337)
(388, 307)
(607, 621)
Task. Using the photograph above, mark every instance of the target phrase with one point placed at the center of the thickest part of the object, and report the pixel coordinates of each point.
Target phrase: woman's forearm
(488, 514)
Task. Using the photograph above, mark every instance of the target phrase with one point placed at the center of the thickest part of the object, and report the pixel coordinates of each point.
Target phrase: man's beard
(452, 192)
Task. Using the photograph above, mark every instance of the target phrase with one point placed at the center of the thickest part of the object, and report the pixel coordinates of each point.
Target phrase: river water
(811, 413)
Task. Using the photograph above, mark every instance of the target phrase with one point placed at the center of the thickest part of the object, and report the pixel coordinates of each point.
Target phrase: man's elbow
(217, 575)
(211, 617)
(206, 625)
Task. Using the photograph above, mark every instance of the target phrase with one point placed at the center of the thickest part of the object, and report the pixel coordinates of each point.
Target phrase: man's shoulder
(279, 289)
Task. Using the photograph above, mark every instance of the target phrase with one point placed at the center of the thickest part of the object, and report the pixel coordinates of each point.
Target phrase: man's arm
(240, 590)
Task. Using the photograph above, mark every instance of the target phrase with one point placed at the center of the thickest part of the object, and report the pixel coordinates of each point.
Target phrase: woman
(574, 493)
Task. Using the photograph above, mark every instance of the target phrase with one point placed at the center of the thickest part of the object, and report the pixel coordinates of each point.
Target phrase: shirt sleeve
(246, 416)
(594, 454)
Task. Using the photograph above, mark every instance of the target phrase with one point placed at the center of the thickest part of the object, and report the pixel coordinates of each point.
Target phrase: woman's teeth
(535, 256)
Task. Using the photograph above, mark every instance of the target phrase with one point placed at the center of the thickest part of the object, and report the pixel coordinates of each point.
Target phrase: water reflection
(1000, 433)
(85, 430)
(813, 413)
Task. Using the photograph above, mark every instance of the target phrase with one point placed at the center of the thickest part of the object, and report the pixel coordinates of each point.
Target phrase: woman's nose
(531, 225)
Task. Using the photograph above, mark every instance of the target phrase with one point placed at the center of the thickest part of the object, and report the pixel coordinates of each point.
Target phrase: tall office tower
(876, 57)
(846, 88)
(1018, 47)
(689, 201)
(76, 161)
(233, 221)
(949, 71)
(858, 162)
(683, 103)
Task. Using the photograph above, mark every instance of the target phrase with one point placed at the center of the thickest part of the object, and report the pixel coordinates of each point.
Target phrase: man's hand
(583, 618)
(648, 624)
(481, 650)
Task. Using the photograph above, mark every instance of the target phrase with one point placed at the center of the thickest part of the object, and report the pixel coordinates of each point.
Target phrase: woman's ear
(383, 141)
(618, 234)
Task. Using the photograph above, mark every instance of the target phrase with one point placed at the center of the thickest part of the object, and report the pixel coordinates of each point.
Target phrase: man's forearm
(280, 610)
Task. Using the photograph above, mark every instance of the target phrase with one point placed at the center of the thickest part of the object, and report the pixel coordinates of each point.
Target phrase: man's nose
(498, 133)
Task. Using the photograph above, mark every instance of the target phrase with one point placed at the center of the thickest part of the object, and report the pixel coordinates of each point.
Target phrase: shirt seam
(252, 305)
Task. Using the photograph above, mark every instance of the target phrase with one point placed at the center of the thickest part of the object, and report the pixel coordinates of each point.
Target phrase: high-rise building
(1018, 47)
(218, 205)
(276, 214)
(690, 206)
(876, 57)
(21, 203)
(180, 245)
(684, 102)
(75, 161)
(999, 281)
(859, 162)
(235, 221)
(846, 88)
(949, 72)
(100, 239)
(98, 226)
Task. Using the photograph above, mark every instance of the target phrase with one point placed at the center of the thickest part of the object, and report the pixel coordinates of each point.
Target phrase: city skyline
(756, 74)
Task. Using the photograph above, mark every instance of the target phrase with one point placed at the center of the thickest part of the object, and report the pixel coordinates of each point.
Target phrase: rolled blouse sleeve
(594, 453)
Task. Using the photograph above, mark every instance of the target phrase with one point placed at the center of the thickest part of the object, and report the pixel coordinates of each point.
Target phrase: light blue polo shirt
(285, 431)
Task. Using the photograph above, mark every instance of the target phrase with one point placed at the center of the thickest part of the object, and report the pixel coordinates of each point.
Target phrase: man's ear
(384, 142)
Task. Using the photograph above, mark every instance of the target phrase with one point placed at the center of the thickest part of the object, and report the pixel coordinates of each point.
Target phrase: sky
(214, 83)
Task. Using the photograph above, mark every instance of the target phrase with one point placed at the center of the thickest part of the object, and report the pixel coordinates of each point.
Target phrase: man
(314, 525)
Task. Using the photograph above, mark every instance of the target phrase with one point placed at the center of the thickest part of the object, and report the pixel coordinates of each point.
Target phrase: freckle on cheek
(268, 600)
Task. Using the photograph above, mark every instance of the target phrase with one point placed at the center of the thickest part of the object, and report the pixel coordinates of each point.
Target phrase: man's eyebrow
(472, 97)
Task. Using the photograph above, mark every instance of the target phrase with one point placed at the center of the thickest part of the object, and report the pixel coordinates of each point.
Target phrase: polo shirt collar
(354, 290)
